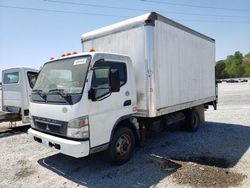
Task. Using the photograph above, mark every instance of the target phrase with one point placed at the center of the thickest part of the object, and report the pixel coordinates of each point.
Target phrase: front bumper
(68, 147)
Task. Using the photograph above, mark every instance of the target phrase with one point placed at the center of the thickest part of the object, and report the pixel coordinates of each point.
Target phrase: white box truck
(130, 76)
(17, 84)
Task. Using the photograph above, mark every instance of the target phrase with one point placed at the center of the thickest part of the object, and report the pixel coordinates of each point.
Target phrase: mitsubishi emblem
(47, 127)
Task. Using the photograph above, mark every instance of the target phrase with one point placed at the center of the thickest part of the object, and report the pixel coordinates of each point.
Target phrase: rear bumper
(68, 147)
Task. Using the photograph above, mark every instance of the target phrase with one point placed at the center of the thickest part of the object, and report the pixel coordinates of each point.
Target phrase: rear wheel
(193, 120)
(122, 146)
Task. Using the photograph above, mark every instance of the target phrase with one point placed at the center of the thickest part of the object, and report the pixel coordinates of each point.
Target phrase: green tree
(246, 65)
(233, 65)
(219, 69)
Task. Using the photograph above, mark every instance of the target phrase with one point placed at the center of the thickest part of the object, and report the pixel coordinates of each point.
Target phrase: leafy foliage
(234, 66)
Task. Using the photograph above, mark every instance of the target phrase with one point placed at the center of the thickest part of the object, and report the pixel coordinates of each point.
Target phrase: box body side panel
(184, 66)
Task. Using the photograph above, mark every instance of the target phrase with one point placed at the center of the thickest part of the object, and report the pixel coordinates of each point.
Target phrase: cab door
(12, 90)
(108, 107)
(29, 77)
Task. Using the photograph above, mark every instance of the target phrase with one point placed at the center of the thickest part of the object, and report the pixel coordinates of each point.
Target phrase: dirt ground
(218, 155)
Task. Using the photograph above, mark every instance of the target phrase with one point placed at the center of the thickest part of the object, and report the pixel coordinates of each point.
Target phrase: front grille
(50, 125)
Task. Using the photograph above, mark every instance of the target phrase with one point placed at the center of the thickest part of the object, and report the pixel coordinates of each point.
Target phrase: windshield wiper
(61, 93)
(39, 92)
(58, 91)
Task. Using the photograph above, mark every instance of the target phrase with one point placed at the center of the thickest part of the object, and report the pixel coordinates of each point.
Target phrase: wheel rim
(123, 145)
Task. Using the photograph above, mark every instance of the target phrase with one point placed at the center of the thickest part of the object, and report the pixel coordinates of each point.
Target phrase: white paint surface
(173, 65)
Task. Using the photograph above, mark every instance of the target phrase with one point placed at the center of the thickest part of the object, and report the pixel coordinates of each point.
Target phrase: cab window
(11, 78)
(121, 67)
(100, 79)
(32, 76)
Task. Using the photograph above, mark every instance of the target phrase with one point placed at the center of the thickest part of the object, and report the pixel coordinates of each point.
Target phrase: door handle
(127, 103)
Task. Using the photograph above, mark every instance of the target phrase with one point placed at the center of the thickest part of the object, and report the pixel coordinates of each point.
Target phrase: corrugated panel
(184, 66)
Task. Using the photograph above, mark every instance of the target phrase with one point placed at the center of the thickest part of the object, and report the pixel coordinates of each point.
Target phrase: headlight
(31, 121)
(78, 128)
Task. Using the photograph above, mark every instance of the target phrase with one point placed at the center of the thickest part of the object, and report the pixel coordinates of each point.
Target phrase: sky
(33, 31)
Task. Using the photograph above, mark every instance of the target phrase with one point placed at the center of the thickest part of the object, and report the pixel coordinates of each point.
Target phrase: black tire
(193, 121)
(122, 146)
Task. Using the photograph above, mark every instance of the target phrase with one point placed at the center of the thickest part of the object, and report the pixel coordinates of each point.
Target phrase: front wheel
(122, 146)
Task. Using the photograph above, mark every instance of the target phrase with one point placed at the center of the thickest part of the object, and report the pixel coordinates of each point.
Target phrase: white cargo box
(174, 65)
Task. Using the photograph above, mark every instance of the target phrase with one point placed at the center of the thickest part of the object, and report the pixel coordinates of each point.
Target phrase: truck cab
(79, 99)
(17, 84)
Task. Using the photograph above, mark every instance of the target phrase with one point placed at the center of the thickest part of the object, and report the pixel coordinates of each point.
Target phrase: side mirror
(114, 79)
(91, 94)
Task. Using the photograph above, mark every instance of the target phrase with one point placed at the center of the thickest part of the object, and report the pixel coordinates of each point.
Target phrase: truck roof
(20, 67)
(87, 53)
(146, 19)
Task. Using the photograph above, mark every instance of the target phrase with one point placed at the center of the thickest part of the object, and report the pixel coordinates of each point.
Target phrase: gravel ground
(0, 99)
(217, 155)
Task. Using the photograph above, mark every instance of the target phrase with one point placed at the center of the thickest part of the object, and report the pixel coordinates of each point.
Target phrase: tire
(193, 120)
(122, 146)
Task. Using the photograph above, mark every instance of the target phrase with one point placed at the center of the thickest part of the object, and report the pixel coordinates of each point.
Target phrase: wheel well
(126, 123)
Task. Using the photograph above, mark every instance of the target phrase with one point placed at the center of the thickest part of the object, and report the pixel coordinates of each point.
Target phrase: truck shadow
(215, 144)
(11, 131)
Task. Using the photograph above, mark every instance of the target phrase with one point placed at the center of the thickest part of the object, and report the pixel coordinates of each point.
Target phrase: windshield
(67, 75)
